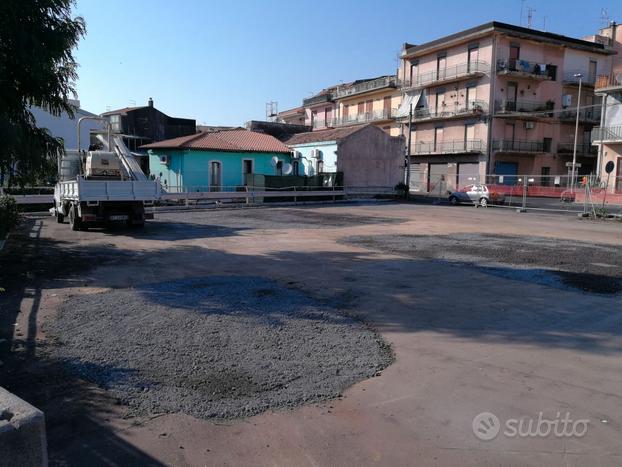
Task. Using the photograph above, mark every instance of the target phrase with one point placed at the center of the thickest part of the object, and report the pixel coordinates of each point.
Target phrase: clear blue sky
(221, 61)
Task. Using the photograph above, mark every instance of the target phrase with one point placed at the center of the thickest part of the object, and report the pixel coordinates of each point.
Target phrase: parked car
(479, 195)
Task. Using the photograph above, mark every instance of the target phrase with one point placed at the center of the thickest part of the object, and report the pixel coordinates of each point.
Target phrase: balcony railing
(451, 73)
(586, 115)
(460, 110)
(608, 81)
(319, 99)
(366, 86)
(517, 67)
(458, 146)
(583, 149)
(586, 80)
(503, 145)
(367, 117)
(612, 134)
(319, 123)
(507, 106)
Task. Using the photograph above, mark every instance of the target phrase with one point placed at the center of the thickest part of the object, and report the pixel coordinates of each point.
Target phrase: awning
(409, 99)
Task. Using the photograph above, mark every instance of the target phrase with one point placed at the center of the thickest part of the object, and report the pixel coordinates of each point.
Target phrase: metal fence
(538, 192)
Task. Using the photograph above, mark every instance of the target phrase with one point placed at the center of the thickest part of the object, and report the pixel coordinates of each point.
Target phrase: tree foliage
(37, 68)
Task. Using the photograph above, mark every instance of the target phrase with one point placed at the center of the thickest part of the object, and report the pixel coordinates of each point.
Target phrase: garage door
(508, 171)
(437, 178)
(468, 174)
(417, 182)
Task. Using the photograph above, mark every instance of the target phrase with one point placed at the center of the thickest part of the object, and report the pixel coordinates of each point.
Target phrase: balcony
(367, 117)
(457, 146)
(606, 82)
(571, 80)
(585, 115)
(608, 134)
(583, 149)
(366, 86)
(523, 68)
(448, 75)
(465, 109)
(519, 106)
(319, 99)
(519, 146)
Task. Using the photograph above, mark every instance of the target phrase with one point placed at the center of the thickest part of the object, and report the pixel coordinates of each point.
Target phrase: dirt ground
(486, 310)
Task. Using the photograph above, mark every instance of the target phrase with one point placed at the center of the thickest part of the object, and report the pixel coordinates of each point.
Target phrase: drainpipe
(603, 112)
(491, 102)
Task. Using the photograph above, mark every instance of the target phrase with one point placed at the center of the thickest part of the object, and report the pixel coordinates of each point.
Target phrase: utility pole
(576, 134)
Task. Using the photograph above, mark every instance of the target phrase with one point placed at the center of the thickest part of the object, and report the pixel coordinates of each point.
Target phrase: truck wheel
(74, 221)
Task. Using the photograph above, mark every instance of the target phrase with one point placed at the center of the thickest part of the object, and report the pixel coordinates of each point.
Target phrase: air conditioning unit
(529, 125)
(164, 160)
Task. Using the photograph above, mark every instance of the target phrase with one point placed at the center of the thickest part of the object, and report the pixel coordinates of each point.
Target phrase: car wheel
(483, 202)
(74, 221)
(453, 201)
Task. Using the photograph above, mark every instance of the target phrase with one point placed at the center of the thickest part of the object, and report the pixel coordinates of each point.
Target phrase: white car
(479, 195)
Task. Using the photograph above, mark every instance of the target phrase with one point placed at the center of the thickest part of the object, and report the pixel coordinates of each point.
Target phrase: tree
(37, 68)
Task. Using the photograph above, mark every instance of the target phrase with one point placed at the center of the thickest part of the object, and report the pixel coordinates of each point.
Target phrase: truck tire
(74, 220)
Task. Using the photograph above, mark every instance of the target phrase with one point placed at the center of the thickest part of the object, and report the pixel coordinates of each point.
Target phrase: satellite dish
(274, 161)
(609, 167)
(287, 168)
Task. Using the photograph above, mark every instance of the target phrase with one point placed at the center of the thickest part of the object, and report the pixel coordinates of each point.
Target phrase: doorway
(247, 169)
(215, 176)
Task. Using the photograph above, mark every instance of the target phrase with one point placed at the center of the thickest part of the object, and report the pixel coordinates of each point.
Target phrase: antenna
(544, 23)
(604, 17)
(132, 102)
(530, 12)
(272, 111)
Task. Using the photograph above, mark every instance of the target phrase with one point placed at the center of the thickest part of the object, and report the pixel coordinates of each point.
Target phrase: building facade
(365, 154)
(215, 161)
(498, 100)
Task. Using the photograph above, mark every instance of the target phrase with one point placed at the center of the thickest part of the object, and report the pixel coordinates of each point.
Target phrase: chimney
(150, 102)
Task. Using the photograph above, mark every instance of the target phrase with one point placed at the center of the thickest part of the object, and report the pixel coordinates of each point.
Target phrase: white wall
(329, 156)
(65, 127)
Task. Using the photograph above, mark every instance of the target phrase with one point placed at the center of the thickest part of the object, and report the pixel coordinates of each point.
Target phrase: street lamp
(576, 134)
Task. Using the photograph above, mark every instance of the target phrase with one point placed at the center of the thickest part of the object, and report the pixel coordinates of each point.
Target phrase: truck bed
(108, 190)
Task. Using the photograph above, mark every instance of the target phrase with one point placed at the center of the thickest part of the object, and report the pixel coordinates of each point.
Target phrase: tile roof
(323, 135)
(237, 140)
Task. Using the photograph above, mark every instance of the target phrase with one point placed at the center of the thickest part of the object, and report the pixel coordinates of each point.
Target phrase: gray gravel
(585, 266)
(214, 347)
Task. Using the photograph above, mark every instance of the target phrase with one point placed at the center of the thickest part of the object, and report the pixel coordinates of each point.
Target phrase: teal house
(215, 161)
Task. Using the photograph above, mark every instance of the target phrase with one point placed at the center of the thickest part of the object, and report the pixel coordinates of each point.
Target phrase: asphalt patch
(589, 267)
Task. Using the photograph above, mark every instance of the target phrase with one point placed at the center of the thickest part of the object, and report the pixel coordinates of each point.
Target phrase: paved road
(470, 336)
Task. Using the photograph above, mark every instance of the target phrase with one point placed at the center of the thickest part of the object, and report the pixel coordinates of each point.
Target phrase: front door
(247, 169)
(215, 180)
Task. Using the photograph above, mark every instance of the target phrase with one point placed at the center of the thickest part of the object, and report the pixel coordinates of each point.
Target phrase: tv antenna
(604, 17)
(272, 111)
(530, 12)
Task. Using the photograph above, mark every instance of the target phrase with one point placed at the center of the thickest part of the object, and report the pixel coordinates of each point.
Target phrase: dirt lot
(485, 311)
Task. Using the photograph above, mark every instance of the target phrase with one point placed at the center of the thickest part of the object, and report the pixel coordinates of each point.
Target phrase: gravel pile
(214, 347)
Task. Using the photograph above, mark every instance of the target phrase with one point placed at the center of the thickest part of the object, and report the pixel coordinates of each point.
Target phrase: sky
(220, 62)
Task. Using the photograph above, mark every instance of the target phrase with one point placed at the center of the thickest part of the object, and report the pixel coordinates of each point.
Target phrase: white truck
(96, 187)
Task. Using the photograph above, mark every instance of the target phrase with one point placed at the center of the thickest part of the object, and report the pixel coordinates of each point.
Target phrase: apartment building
(319, 109)
(498, 99)
(608, 136)
(373, 100)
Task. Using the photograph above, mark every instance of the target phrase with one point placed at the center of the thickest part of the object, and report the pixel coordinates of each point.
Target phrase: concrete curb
(22, 433)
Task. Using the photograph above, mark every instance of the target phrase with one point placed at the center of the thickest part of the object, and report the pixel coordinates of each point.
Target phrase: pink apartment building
(499, 99)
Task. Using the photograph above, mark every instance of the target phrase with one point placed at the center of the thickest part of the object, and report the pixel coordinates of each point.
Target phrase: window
(546, 144)
(441, 66)
(472, 57)
(346, 109)
(469, 136)
(514, 56)
(414, 72)
(247, 169)
(438, 139)
(361, 108)
(545, 179)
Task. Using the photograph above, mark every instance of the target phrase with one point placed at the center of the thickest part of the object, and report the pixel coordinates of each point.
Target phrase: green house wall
(189, 168)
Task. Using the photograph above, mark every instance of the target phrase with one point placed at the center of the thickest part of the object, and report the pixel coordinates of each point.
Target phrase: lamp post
(576, 134)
